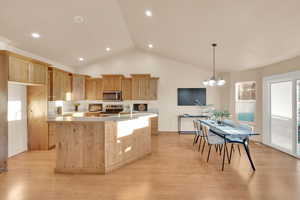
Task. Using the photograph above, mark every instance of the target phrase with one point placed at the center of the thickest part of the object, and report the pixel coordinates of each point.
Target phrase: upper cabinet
(18, 69)
(93, 88)
(153, 87)
(126, 89)
(144, 87)
(140, 86)
(37, 73)
(60, 85)
(27, 72)
(112, 82)
(78, 87)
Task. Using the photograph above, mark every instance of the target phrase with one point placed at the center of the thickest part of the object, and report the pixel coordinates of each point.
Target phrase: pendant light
(214, 81)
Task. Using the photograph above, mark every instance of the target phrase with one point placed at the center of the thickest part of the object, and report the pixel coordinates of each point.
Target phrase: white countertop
(112, 117)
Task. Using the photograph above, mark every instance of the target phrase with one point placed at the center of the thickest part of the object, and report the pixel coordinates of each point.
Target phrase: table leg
(179, 125)
(246, 146)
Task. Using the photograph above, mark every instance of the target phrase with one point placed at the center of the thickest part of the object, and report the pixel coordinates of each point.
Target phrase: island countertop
(111, 117)
(100, 144)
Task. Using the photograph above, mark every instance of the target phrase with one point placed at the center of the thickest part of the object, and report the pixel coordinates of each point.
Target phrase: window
(14, 111)
(245, 101)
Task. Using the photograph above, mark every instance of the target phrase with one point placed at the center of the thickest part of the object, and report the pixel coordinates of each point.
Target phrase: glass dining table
(231, 131)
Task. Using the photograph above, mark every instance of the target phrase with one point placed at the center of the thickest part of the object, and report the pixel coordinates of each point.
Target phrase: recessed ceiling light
(78, 19)
(150, 46)
(81, 59)
(107, 49)
(148, 13)
(35, 35)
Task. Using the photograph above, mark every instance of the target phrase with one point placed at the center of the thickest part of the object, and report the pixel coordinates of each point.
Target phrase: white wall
(172, 75)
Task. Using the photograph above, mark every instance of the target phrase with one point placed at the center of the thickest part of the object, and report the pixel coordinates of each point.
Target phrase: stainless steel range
(111, 108)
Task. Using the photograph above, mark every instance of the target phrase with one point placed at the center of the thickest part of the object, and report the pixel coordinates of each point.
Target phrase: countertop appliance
(111, 108)
(140, 107)
(113, 95)
(95, 107)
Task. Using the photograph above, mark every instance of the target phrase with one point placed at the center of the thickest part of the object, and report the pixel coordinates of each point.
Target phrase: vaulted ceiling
(249, 33)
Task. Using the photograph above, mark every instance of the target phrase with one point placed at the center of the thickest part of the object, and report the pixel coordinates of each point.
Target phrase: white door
(17, 119)
(281, 115)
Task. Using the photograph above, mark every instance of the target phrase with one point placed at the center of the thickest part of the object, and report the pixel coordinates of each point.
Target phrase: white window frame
(245, 101)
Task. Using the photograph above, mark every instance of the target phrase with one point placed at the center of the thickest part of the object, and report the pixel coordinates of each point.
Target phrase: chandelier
(214, 81)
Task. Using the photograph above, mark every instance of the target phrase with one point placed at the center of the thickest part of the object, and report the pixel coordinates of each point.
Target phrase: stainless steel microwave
(112, 96)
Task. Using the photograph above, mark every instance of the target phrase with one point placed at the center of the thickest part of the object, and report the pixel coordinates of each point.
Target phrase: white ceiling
(249, 33)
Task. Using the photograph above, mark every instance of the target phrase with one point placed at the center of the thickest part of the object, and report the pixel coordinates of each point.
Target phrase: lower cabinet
(51, 136)
(154, 126)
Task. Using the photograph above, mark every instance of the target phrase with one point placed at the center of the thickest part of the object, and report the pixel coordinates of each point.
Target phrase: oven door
(112, 96)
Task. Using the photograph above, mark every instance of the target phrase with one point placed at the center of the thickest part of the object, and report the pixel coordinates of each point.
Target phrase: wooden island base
(98, 147)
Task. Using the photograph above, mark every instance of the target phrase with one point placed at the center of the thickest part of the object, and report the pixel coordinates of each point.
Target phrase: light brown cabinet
(27, 72)
(153, 89)
(78, 87)
(140, 86)
(60, 85)
(37, 113)
(154, 126)
(126, 89)
(18, 69)
(93, 88)
(37, 73)
(112, 82)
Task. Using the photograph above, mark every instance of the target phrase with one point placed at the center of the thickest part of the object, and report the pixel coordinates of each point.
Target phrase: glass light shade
(221, 82)
(205, 82)
(212, 82)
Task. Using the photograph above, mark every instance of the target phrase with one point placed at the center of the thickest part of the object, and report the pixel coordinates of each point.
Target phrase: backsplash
(68, 106)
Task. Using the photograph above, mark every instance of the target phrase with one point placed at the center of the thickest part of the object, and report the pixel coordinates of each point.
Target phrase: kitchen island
(100, 144)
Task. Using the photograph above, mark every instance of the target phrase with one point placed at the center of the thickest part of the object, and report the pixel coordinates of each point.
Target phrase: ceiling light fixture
(150, 46)
(35, 35)
(78, 19)
(107, 49)
(148, 13)
(81, 59)
(214, 81)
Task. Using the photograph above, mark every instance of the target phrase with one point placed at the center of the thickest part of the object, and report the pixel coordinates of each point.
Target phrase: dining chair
(198, 133)
(213, 139)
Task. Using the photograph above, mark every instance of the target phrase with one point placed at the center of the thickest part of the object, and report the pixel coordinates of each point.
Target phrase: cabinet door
(112, 82)
(18, 69)
(60, 85)
(99, 89)
(153, 89)
(126, 89)
(140, 88)
(56, 85)
(78, 87)
(67, 86)
(37, 73)
(154, 125)
(93, 88)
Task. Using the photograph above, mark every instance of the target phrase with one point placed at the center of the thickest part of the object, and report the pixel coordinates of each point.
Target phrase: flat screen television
(191, 96)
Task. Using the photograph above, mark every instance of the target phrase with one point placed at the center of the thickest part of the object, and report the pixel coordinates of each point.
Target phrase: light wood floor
(174, 171)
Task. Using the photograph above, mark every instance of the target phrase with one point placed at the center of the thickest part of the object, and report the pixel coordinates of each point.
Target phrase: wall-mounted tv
(191, 96)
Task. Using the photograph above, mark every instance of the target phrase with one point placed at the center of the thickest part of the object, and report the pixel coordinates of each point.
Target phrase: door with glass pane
(281, 115)
(298, 119)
